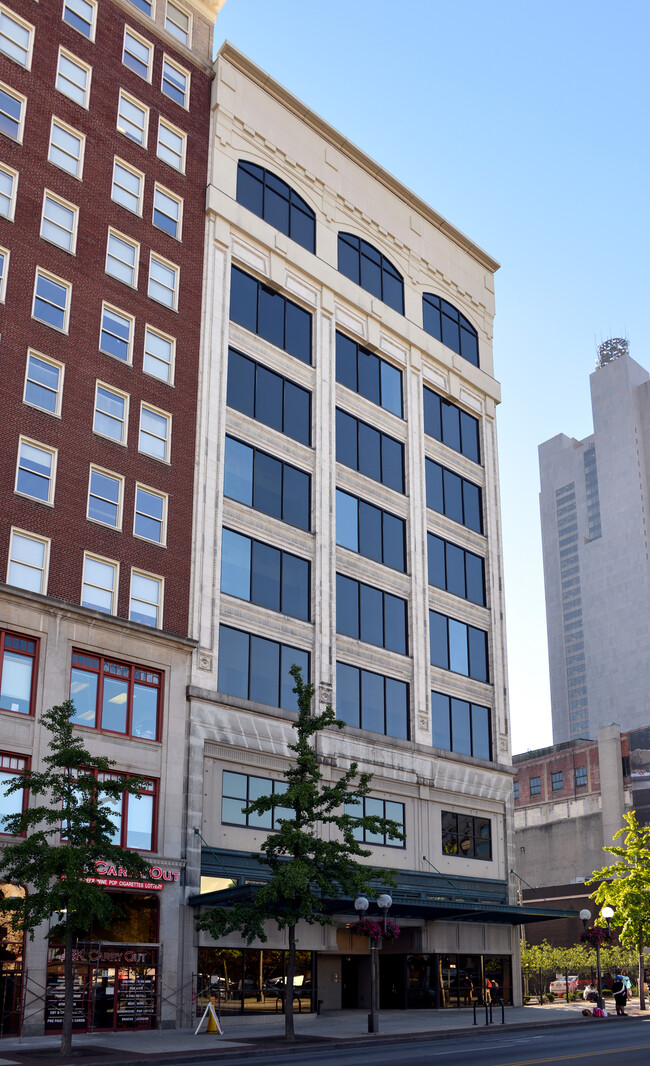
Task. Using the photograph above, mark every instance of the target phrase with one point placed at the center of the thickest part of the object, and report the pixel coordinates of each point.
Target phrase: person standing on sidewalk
(620, 994)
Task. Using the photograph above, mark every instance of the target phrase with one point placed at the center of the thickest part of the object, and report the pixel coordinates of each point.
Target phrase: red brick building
(104, 119)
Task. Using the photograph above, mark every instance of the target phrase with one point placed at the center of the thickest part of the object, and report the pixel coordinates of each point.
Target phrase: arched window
(273, 200)
(446, 324)
(361, 262)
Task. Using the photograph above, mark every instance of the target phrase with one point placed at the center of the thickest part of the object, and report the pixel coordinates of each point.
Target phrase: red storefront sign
(117, 877)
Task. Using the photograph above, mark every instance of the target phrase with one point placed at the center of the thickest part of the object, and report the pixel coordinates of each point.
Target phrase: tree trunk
(68, 994)
(641, 971)
(288, 986)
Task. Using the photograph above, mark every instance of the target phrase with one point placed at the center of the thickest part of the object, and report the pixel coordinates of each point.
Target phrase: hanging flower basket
(597, 935)
(375, 930)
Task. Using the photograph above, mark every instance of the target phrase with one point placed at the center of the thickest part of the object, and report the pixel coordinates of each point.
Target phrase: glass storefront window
(249, 981)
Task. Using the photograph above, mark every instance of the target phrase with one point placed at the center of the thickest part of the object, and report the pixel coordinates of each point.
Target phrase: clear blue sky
(526, 125)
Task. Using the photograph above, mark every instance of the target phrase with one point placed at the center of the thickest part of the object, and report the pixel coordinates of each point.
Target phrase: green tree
(306, 866)
(64, 836)
(625, 885)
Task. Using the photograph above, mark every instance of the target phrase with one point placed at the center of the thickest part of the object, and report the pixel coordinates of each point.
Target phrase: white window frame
(125, 423)
(160, 581)
(49, 195)
(179, 36)
(114, 564)
(56, 413)
(172, 363)
(181, 134)
(163, 524)
(123, 95)
(130, 319)
(22, 100)
(5, 253)
(158, 188)
(13, 174)
(81, 137)
(49, 502)
(94, 469)
(168, 439)
(44, 570)
(64, 54)
(179, 70)
(40, 272)
(13, 17)
(168, 265)
(118, 162)
(93, 21)
(130, 32)
(114, 233)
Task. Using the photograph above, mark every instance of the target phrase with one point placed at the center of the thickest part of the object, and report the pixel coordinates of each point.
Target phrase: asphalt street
(598, 1044)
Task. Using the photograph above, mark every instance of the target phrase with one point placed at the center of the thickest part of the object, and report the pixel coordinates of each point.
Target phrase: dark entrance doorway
(350, 982)
(392, 982)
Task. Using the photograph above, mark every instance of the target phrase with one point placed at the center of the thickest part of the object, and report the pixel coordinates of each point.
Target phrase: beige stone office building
(347, 519)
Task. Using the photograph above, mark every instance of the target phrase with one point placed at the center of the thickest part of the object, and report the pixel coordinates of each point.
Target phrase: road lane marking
(575, 1055)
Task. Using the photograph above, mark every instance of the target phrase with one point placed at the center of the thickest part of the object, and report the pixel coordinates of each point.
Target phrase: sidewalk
(169, 1046)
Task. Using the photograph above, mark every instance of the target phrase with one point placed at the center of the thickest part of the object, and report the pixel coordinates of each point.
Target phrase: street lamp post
(361, 906)
(607, 913)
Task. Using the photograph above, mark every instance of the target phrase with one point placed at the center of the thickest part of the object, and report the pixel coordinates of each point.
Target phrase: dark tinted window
(239, 790)
(460, 726)
(378, 808)
(454, 496)
(372, 701)
(366, 449)
(368, 374)
(457, 646)
(455, 569)
(255, 668)
(266, 484)
(273, 200)
(266, 312)
(466, 836)
(371, 615)
(264, 575)
(266, 396)
(446, 324)
(450, 425)
(367, 529)
(363, 263)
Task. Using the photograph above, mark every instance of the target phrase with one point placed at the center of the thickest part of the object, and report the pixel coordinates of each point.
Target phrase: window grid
(466, 836)
(163, 281)
(36, 471)
(73, 78)
(456, 570)
(452, 426)
(137, 54)
(66, 148)
(267, 196)
(116, 333)
(371, 615)
(458, 647)
(368, 530)
(122, 256)
(51, 300)
(581, 776)
(370, 806)
(131, 829)
(155, 433)
(132, 118)
(99, 583)
(255, 668)
(29, 558)
(535, 786)
(366, 700)
(105, 497)
(267, 576)
(81, 15)
(16, 37)
(369, 451)
(59, 222)
(368, 267)
(8, 190)
(454, 496)
(116, 697)
(150, 515)
(43, 383)
(159, 355)
(146, 598)
(557, 781)
(270, 315)
(444, 322)
(461, 726)
(18, 672)
(267, 484)
(368, 374)
(12, 113)
(268, 397)
(111, 414)
(12, 766)
(239, 790)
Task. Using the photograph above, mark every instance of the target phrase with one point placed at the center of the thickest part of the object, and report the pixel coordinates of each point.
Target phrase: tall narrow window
(150, 518)
(51, 300)
(18, 672)
(105, 493)
(159, 353)
(12, 113)
(59, 222)
(163, 281)
(29, 557)
(4, 269)
(73, 78)
(155, 433)
(122, 256)
(8, 187)
(167, 211)
(146, 598)
(99, 584)
(116, 333)
(66, 149)
(172, 145)
(175, 82)
(368, 374)
(111, 413)
(178, 22)
(16, 37)
(132, 118)
(81, 15)
(137, 54)
(127, 188)
(43, 383)
(36, 471)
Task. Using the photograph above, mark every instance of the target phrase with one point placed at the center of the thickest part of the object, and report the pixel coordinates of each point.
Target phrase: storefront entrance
(12, 945)
(115, 974)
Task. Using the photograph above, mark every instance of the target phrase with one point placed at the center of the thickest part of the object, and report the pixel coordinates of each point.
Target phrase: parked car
(558, 986)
